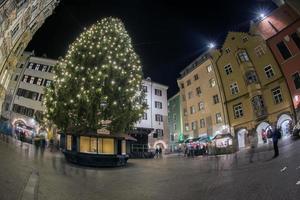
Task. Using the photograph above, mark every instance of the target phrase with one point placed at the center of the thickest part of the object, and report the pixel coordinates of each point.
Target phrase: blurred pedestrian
(253, 144)
(275, 137)
(160, 152)
(156, 152)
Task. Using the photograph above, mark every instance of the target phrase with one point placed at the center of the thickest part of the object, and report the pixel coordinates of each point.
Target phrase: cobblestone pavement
(174, 177)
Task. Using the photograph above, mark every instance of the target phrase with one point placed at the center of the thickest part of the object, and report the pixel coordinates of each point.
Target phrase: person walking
(160, 152)
(156, 152)
(253, 144)
(275, 137)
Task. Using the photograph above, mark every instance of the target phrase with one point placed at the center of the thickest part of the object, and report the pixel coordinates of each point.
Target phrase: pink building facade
(281, 30)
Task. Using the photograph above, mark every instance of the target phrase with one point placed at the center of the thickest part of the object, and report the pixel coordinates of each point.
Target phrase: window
(285, 53)
(158, 118)
(202, 123)
(194, 125)
(209, 68)
(15, 30)
(296, 78)
(47, 82)
(190, 95)
(228, 69)
(187, 127)
(182, 85)
(185, 112)
(144, 116)
(16, 77)
(243, 56)
(259, 51)
(24, 79)
(212, 82)
(50, 69)
(159, 132)
(218, 118)
(30, 65)
(269, 71)
(238, 111)
(251, 77)
(158, 92)
(41, 97)
(174, 126)
(227, 50)
(277, 96)
(216, 99)
(23, 110)
(31, 80)
(234, 88)
(188, 82)
(245, 39)
(158, 104)
(196, 77)
(88, 144)
(144, 88)
(39, 81)
(45, 68)
(106, 146)
(35, 80)
(201, 105)
(198, 91)
(174, 117)
(183, 97)
(296, 39)
(192, 109)
(69, 142)
(21, 66)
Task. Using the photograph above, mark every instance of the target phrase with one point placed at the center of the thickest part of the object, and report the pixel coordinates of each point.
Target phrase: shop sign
(103, 131)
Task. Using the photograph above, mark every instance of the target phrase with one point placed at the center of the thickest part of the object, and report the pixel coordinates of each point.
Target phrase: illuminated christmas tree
(99, 79)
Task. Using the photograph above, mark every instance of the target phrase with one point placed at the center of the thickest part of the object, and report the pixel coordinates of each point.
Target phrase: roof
(199, 60)
(275, 21)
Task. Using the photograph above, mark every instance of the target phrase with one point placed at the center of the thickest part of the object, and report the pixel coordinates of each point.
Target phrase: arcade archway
(284, 123)
(261, 131)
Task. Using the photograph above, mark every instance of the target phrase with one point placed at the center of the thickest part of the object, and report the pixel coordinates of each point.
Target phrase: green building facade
(175, 122)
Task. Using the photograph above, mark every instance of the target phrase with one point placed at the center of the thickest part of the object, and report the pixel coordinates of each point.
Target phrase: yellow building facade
(255, 93)
(203, 112)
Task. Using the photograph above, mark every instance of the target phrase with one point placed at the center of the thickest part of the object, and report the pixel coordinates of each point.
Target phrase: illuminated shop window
(69, 142)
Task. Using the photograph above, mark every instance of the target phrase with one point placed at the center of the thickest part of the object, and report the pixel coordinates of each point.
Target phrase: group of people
(274, 134)
(191, 150)
(158, 152)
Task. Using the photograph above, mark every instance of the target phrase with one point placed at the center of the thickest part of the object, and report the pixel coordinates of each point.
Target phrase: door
(241, 138)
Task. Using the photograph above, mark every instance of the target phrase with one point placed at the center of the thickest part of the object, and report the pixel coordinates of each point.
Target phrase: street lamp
(211, 45)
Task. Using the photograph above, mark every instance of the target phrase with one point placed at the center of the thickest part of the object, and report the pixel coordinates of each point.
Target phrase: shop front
(96, 149)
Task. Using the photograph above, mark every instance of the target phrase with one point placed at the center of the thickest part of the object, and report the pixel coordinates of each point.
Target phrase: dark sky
(167, 35)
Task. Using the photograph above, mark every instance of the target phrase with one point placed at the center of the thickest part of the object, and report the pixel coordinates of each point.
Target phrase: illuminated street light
(211, 45)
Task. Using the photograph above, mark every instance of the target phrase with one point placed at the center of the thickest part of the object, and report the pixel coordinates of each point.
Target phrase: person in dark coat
(160, 152)
(275, 138)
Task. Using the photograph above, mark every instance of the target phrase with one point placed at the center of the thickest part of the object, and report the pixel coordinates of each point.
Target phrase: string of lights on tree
(99, 79)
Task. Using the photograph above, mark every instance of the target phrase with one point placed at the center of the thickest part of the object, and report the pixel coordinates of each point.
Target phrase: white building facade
(19, 21)
(23, 102)
(156, 116)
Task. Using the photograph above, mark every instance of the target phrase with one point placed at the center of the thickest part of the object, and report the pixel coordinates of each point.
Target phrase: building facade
(281, 30)
(155, 118)
(23, 103)
(255, 91)
(19, 20)
(202, 104)
(175, 121)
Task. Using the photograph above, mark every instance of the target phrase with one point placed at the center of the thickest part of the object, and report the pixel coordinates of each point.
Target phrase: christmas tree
(99, 80)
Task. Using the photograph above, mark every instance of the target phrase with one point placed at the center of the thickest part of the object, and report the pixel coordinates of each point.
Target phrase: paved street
(172, 177)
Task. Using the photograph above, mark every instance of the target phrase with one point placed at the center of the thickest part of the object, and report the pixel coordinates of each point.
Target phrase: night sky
(167, 35)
